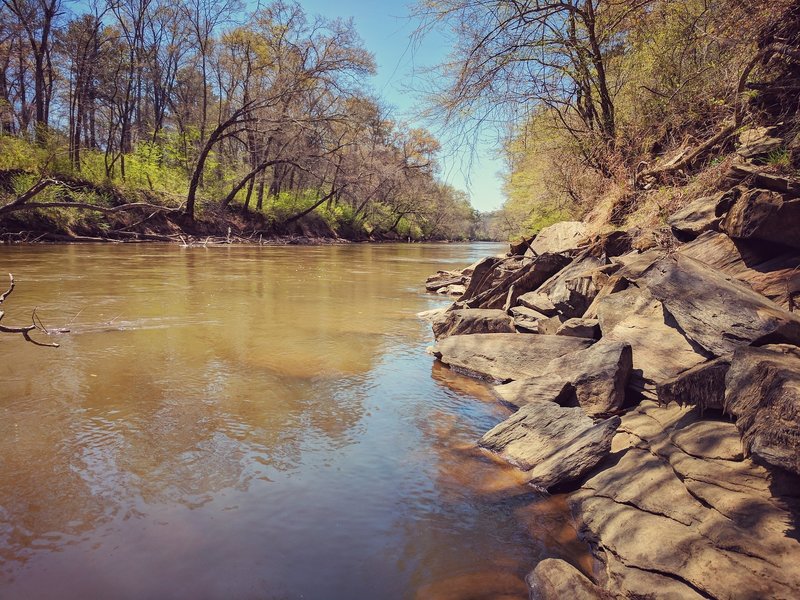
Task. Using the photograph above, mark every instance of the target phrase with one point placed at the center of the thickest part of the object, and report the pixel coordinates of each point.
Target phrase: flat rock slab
(505, 356)
(559, 237)
(716, 312)
(555, 579)
(471, 321)
(538, 302)
(760, 266)
(763, 393)
(553, 444)
(678, 509)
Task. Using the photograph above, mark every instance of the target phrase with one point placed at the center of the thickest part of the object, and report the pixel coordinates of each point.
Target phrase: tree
(37, 18)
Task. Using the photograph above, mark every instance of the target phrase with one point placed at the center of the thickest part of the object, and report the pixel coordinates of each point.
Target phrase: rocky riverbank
(656, 380)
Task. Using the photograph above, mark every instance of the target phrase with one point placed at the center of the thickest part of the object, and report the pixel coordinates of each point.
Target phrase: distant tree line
(265, 110)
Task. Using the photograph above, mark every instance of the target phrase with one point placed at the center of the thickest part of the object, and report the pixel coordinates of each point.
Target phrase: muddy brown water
(244, 422)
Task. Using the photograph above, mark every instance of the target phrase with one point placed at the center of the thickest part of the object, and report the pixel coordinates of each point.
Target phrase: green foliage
(17, 153)
(780, 159)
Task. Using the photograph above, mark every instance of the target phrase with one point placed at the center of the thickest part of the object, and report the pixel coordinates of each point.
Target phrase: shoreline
(654, 388)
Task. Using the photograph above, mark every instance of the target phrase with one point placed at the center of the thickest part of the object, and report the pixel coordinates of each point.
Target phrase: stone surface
(553, 444)
(594, 379)
(763, 267)
(482, 276)
(572, 289)
(526, 318)
(505, 356)
(538, 302)
(660, 350)
(740, 172)
(549, 387)
(701, 215)
(471, 321)
(505, 290)
(676, 509)
(550, 325)
(758, 142)
(555, 579)
(586, 328)
(559, 237)
(444, 279)
(717, 313)
(764, 215)
(702, 386)
(763, 393)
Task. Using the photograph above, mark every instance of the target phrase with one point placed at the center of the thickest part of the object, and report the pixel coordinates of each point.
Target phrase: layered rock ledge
(658, 386)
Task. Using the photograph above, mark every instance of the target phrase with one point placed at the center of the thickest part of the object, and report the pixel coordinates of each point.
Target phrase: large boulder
(717, 313)
(573, 288)
(594, 378)
(559, 237)
(764, 267)
(506, 289)
(702, 386)
(763, 393)
(740, 172)
(701, 215)
(660, 350)
(552, 444)
(471, 321)
(555, 579)
(505, 356)
(764, 215)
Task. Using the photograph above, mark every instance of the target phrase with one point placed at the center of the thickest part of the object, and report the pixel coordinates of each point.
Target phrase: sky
(385, 28)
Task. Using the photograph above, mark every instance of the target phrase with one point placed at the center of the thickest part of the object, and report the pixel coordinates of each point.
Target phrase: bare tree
(25, 330)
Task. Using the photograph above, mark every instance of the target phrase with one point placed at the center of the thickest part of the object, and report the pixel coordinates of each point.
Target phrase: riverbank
(655, 376)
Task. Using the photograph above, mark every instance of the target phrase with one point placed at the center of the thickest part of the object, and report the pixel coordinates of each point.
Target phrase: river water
(246, 422)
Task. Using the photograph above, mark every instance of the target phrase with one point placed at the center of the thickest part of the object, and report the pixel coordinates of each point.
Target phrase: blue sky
(385, 28)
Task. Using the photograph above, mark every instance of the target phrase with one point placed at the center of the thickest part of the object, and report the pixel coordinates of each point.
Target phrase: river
(251, 422)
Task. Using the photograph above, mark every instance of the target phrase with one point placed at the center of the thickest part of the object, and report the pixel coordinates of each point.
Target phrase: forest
(149, 115)
(617, 112)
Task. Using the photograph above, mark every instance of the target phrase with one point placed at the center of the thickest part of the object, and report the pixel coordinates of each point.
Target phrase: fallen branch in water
(25, 331)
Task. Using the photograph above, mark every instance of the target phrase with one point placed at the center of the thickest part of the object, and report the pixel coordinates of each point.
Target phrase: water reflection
(250, 422)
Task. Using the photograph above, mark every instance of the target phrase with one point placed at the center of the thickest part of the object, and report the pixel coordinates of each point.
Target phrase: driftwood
(25, 331)
(24, 200)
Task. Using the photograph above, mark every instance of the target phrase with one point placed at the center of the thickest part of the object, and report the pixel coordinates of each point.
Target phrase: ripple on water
(253, 422)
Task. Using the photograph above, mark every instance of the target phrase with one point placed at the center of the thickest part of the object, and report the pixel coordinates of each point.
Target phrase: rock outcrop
(464, 322)
(505, 356)
(678, 510)
(552, 444)
(696, 495)
(762, 391)
(560, 237)
(595, 379)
